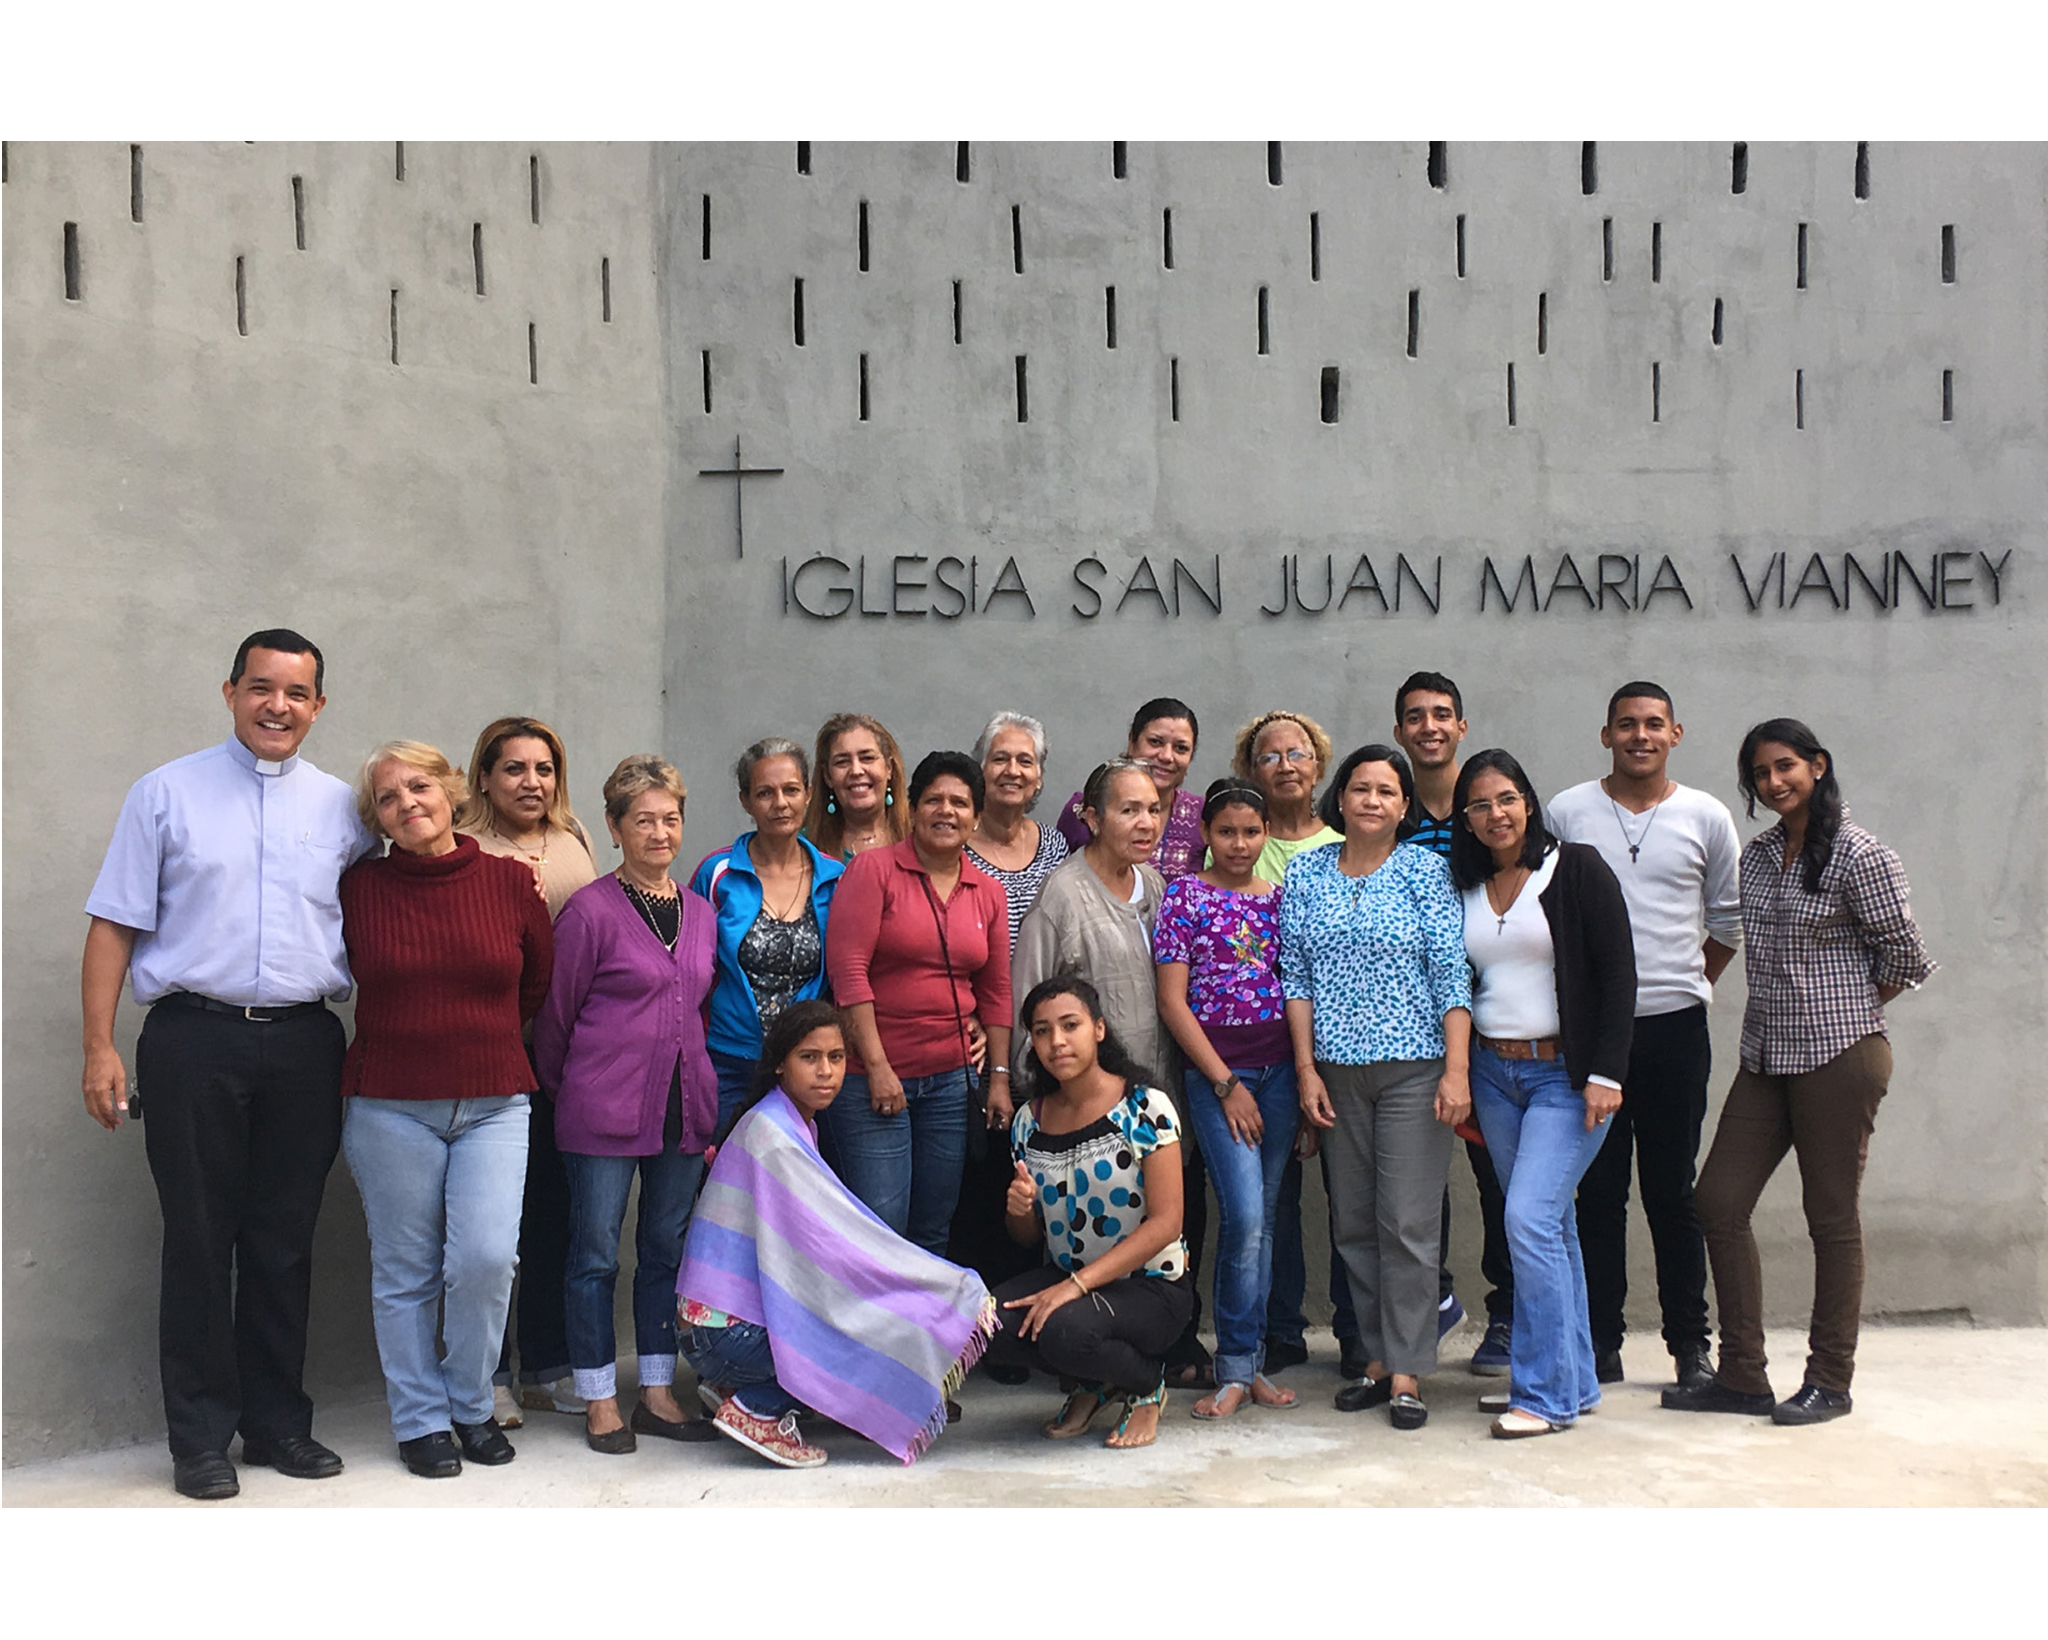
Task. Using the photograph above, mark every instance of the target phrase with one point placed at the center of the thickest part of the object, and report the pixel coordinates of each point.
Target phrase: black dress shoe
(1714, 1396)
(432, 1457)
(1369, 1392)
(1813, 1405)
(485, 1443)
(1607, 1366)
(1695, 1367)
(299, 1456)
(1407, 1412)
(647, 1422)
(1281, 1355)
(207, 1476)
(1350, 1363)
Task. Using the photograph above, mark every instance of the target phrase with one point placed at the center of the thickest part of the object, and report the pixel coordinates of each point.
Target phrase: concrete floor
(1943, 1418)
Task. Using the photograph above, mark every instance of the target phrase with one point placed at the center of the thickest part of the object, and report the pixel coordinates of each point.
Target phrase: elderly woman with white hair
(451, 950)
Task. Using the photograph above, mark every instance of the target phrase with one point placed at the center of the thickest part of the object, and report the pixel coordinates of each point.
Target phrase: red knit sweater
(450, 954)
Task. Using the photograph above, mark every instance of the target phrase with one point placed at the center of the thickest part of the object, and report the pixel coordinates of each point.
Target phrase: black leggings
(1117, 1337)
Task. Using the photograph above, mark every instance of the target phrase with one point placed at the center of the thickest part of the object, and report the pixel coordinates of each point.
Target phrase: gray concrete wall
(463, 541)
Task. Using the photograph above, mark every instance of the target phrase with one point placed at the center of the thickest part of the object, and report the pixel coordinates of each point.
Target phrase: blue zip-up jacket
(726, 878)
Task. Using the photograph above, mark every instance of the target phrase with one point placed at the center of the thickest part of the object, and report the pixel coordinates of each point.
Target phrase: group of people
(906, 1076)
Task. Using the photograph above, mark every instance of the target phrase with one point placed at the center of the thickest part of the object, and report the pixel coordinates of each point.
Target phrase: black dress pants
(1116, 1336)
(541, 1324)
(241, 1122)
(1663, 1104)
(1494, 1263)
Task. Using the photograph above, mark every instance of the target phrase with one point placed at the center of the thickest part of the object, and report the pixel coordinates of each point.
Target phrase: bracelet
(1076, 1280)
(1000, 1070)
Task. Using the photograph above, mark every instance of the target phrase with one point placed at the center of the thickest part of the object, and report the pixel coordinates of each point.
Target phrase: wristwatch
(1222, 1089)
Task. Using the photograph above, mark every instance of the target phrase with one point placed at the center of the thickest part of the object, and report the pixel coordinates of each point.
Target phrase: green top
(1278, 851)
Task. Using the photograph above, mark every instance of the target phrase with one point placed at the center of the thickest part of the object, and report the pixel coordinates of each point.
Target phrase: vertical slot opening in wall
(1656, 253)
(1511, 394)
(1656, 392)
(3, 162)
(1273, 164)
(1461, 244)
(299, 211)
(796, 312)
(1439, 164)
(1542, 323)
(1589, 168)
(1017, 238)
(956, 313)
(1120, 160)
(863, 387)
(704, 227)
(1414, 322)
(1607, 249)
(803, 159)
(1265, 321)
(1863, 170)
(135, 182)
(533, 187)
(704, 371)
(398, 162)
(1948, 252)
(1109, 313)
(1023, 392)
(1717, 321)
(1166, 234)
(1329, 395)
(1738, 169)
(1799, 399)
(532, 353)
(604, 281)
(1173, 388)
(1802, 257)
(1948, 395)
(394, 324)
(962, 169)
(1315, 245)
(241, 296)
(73, 280)
(863, 230)
(476, 253)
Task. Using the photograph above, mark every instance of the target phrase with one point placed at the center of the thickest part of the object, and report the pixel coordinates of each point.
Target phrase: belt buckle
(259, 1014)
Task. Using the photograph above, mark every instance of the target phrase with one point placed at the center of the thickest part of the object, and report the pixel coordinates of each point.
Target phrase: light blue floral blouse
(1382, 957)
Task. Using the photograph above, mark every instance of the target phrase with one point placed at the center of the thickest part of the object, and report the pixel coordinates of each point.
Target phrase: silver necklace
(1635, 844)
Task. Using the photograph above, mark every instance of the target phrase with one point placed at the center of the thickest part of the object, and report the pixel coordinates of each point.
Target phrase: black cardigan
(1595, 964)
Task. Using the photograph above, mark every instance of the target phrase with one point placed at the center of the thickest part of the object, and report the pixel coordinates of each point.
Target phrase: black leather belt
(255, 1015)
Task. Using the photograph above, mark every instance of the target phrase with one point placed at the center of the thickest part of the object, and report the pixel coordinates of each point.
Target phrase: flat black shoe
(1008, 1372)
(299, 1456)
(1349, 1364)
(1813, 1405)
(1369, 1392)
(1281, 1355)
(647, 1422)
(1695, 1367)
(1607, 1366)
(1407, 1412)
(1714, 1396)
(432, 1457)
(207, 1476)
(485, 1443)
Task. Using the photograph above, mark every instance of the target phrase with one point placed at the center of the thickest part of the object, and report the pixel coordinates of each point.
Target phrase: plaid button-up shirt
(1814, 962)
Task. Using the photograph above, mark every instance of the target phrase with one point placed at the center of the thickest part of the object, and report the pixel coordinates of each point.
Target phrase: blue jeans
(1285, 1323)
(1247, 1181)
(906, 1167)
(441, 1181)
(597, 1210)
(1535, 1127)
(735, 1082)
(738, 1358)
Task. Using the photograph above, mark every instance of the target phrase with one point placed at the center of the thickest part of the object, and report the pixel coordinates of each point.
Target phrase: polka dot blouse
(1091, 1184)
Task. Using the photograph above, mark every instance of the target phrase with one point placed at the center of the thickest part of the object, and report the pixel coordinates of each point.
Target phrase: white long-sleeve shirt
(1681, 884)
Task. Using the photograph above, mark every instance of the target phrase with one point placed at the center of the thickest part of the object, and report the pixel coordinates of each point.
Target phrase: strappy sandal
(1215, 1402)
(1060, 1429)
(1288, 1405)
(1131, 1404)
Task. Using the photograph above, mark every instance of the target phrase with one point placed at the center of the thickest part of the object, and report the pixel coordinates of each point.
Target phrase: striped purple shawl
(866, 1328)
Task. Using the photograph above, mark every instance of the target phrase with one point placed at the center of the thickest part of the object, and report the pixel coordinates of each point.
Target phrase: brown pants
(1825, 1118)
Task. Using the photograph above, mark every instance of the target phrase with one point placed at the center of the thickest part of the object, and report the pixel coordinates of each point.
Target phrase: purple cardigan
(619, 1011)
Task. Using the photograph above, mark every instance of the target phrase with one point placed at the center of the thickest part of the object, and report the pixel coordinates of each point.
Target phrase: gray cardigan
(1077, 923)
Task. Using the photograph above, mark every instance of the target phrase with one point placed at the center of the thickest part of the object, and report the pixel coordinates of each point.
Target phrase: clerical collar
(259, 765)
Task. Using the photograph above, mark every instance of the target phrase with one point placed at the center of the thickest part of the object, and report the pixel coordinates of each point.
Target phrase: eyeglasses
(1294, 754)
(1507, 803)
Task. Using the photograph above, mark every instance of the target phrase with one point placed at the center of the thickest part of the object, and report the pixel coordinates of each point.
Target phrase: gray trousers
(1389, 1158)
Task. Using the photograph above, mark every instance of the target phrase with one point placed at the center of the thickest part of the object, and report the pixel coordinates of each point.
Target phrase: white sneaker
(559, 1396)
(504, 1408)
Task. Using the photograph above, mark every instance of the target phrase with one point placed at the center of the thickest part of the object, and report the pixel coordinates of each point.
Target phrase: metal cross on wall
(739, 473)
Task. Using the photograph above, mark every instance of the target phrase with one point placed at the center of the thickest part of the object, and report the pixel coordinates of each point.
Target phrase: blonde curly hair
(1247, 743)
(415, 754)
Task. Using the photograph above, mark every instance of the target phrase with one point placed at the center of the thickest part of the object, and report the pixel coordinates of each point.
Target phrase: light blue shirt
(228, 867)
(1382, 957)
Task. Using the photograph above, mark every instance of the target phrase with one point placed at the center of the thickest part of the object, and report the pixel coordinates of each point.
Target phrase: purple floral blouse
(1180, 847)
(1231, 944)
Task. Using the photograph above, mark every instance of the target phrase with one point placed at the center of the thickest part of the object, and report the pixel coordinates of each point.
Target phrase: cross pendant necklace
(1635, 844)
